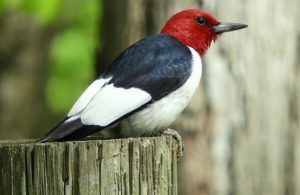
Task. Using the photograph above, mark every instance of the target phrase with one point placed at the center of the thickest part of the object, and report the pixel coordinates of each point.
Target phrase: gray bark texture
(242, 128)
(122, 166)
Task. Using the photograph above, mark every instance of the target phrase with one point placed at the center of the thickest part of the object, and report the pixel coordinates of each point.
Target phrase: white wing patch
(87, 95)
(111, 103)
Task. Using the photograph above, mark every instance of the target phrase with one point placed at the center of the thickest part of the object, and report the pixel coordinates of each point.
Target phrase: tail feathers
(61, 131)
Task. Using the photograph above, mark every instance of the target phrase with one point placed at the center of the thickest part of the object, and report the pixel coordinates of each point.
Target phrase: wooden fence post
(121, 166)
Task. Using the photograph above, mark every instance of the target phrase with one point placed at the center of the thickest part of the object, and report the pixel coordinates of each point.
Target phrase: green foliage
(44, 11)
(72, 57)
(71, 68)
(9, 4)
(72, 52)
(2, 5)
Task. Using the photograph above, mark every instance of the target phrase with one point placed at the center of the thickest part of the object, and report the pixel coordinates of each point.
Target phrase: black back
(157, 64)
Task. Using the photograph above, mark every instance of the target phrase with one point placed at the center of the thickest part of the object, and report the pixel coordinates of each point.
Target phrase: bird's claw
(177, 137)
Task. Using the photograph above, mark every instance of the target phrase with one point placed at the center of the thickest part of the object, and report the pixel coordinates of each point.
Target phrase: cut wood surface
(121, 166)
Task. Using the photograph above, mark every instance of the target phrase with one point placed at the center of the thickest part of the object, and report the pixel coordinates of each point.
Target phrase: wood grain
(121, 166)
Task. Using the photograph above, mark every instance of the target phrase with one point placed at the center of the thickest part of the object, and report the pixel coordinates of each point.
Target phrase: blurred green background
(71, 29)
(242, 128)
(72, 50)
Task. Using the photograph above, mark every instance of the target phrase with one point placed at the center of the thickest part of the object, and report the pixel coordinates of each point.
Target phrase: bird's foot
(177, 137)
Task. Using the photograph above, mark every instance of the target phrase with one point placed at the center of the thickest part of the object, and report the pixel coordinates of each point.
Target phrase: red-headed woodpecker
(147, 85)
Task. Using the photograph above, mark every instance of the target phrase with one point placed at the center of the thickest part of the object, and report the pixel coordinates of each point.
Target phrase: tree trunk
(123, 166)
(244, 121)
(24, 52)
(241, 129)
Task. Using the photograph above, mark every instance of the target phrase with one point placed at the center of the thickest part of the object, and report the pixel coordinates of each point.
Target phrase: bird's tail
(68, 130)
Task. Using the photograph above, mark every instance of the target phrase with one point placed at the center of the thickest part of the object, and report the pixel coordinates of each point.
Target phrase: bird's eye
(200, 20)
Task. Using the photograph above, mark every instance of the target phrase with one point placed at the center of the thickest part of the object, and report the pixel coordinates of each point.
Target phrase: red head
(197, 28)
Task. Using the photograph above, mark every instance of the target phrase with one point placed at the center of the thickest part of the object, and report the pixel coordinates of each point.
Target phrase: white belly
(159, 115)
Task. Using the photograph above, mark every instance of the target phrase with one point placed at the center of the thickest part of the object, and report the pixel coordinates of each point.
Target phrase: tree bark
(243, 123)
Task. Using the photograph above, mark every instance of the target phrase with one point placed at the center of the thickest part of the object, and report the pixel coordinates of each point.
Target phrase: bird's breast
(160, 114)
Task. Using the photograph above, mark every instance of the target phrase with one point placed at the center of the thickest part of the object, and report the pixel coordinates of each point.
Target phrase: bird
(149, 84)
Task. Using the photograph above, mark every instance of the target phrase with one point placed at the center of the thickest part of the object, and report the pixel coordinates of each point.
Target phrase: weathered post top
(120, 166)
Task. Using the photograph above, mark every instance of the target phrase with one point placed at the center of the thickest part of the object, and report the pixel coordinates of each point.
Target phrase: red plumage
(183, 26)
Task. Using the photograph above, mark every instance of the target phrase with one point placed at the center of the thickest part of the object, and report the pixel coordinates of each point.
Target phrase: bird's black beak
(226, 27)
